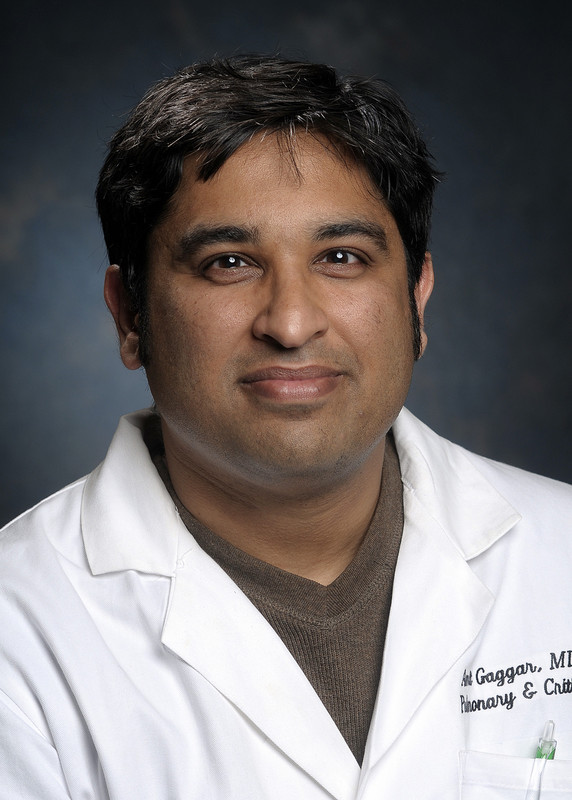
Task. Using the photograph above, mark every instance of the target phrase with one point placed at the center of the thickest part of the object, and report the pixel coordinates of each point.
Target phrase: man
(279, 584)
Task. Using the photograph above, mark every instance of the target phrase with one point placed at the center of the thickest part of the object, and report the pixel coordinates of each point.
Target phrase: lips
(292, 384)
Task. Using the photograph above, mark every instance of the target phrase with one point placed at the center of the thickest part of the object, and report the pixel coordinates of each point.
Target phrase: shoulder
(523, 488)
(48, 523)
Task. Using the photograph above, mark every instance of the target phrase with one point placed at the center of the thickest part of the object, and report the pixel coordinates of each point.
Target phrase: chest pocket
(487, 776)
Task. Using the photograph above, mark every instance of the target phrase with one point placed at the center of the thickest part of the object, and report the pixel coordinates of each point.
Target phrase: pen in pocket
(547, 744)
(544, 752)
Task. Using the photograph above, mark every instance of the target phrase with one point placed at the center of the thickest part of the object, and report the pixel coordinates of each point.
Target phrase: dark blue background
(490, 85)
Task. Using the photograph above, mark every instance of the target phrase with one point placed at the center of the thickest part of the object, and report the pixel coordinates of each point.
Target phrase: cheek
(380, 319)
(173, 329)
(194, 332)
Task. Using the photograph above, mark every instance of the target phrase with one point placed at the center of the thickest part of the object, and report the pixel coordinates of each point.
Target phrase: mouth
(292, 384)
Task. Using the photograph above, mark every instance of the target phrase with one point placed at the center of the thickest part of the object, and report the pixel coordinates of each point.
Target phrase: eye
(341, 257)
(229, 261)
(229, 268)
(340, 263)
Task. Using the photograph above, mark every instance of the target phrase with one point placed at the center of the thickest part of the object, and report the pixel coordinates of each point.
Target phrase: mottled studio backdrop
(489, 83)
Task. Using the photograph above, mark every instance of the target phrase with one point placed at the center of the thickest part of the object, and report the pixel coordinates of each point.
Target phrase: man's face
(280, 344)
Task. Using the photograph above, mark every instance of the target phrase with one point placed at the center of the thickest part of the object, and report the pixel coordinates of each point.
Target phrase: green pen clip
(547, 744)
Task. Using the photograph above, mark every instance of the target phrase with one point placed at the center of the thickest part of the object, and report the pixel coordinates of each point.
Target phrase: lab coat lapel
(213, 626)
(438, 608)
(452, 513)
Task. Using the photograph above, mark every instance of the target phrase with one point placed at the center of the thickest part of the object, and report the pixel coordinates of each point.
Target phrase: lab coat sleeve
(29, 764)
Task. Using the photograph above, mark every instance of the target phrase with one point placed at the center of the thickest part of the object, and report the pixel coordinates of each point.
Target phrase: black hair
(210, 109)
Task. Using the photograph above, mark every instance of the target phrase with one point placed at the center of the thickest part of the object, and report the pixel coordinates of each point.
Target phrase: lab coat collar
(128, 519)
(447, 483)
(128, 515)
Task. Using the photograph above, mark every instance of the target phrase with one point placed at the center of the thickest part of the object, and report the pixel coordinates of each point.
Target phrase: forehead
(272, 176)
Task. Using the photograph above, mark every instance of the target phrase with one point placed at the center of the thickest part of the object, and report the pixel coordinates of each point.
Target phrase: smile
(284, 384)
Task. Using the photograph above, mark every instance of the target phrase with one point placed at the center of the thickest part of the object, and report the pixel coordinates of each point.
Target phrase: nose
(292, 313)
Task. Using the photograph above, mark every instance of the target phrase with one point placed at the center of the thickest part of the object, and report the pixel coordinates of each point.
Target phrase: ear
(119, 304)
(422, 294)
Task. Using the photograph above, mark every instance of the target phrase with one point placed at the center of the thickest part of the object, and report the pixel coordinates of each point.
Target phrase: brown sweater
(336, 633)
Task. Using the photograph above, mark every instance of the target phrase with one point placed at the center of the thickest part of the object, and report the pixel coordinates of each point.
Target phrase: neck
(312, 535)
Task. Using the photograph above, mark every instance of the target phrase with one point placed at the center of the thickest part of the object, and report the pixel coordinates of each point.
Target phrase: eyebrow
(334, 230)
(204, 235)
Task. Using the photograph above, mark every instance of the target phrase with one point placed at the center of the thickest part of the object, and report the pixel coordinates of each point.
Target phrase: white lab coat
(133, 668)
